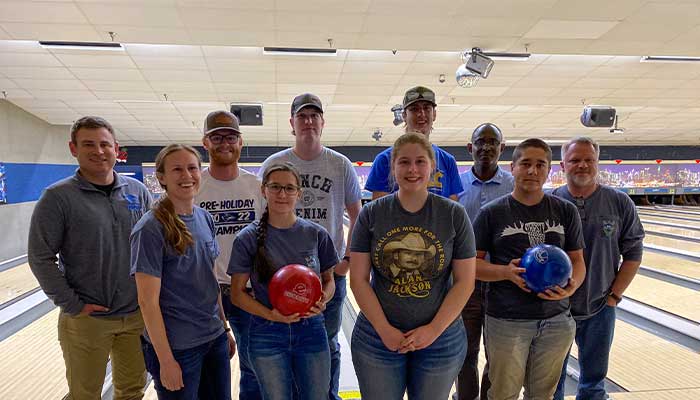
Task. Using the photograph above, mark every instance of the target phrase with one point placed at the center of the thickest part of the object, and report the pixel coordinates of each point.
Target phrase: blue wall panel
(25, 182)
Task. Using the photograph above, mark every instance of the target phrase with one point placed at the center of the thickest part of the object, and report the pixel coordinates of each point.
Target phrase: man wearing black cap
(329, 187)
(233, 198)
(419, 112)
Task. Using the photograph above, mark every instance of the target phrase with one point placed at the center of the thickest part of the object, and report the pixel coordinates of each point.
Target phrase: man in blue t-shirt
(614, 241)
(419, 112)
(527, 335)
(483, 182)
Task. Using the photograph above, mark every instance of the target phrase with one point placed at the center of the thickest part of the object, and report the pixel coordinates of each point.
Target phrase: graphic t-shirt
(445, 181)
(233, 205)
(505, 229)
(328, 182)
(305, 243)
(411, 254)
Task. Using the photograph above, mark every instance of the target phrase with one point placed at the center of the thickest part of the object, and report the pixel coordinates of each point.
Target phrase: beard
(224, 158)
(582, 180)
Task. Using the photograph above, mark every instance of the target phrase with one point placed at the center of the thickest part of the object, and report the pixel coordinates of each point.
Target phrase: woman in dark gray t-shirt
(418, 249)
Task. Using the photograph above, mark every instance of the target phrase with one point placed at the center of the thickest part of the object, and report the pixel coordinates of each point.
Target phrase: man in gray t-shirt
(527, 333)
(614, 241)
(329, 188)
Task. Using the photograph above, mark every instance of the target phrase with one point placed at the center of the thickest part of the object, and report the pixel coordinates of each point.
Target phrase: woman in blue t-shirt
(418, 248)
(289, 352)
(187, 344)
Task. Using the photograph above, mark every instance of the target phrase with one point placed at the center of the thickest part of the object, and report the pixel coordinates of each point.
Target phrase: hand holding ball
(294, 288)
(546, 266)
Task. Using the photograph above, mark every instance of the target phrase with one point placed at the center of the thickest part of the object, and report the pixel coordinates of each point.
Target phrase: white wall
(25, 138)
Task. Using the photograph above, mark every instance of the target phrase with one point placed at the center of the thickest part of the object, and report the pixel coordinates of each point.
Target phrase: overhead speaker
(248, 114)
(598, 116)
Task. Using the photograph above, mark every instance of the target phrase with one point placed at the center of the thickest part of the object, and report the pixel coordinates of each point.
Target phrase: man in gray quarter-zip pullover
(86, 219)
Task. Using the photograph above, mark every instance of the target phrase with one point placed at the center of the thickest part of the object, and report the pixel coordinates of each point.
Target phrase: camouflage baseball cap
(418, 93)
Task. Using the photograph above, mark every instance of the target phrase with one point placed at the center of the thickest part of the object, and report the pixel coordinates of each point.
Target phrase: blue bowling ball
(545, 266)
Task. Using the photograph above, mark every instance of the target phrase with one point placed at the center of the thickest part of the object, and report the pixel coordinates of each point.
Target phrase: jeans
(473, 316)
(594, 337)
(425, 374)
(527, 353)
(333, 316)
(289, 358)
(88, 342)
(206, 371)
(240, 322)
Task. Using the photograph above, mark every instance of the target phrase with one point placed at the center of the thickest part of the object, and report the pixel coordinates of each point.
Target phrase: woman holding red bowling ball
(412, 271)
(289, 353)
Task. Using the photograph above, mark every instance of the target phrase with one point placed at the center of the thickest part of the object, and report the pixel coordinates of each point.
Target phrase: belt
(226, 289)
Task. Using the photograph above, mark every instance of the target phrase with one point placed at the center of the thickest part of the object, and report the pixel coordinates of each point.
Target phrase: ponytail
(261, 264)
(176, 233)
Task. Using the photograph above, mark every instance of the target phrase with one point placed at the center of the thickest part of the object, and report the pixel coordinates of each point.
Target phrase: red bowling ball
(294, 288)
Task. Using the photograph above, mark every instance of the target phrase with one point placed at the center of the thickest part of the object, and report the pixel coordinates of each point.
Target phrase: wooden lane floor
(671, 264)
(31, 362)
(16, 281)
(641, 361)
(684, 217)
(649, 228)
(670, 220)
(666, 296)
(672, 243)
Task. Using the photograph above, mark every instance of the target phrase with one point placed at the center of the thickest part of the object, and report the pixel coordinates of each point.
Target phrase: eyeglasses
(218, 139)
(277, 188)
(580, 206)
(483, 142)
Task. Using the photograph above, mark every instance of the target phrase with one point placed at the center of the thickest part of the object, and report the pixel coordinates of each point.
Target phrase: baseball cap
(221, 120)
(304, 100)
(418, 93)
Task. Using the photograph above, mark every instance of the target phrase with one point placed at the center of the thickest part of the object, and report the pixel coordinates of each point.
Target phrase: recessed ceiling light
(108, 46)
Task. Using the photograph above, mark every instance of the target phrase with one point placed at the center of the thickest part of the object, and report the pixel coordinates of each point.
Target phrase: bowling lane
(673, 243)
(671, 264)
(642, 361)
(670, 214)
(666, 220)
(666, 296)
(16, 281)
(649, 228)
(31, 362)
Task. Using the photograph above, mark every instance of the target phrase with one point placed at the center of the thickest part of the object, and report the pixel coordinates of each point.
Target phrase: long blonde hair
(176, 233)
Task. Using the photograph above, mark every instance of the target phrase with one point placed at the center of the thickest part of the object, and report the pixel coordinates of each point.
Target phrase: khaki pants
(88, 342)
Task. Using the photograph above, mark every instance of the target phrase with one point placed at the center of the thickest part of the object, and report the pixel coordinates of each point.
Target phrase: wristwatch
(615, 297)
(346, 258)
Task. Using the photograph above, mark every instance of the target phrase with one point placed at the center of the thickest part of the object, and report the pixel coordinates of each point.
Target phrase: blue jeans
(527, 353)
(333, 316)
(425, 374)
(240, 322)
(290, 357)
(473, 316)
(206, 370)
(594, 337)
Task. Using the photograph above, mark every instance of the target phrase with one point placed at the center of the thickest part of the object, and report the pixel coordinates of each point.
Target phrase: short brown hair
(532, 142)
(90, 122)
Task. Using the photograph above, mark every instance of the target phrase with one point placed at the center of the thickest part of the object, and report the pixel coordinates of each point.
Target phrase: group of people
(177, 286)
